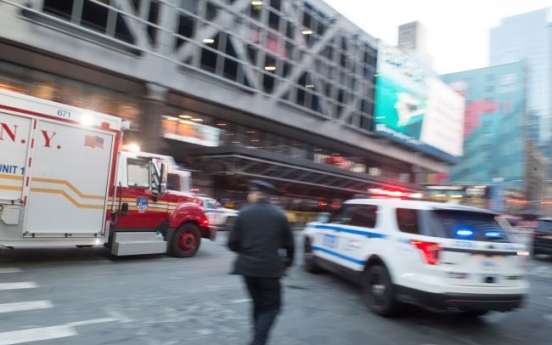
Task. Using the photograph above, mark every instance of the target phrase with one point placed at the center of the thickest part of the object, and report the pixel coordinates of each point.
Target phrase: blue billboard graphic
(414, 107)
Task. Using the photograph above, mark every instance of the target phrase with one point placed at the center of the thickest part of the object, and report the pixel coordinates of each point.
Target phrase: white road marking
(22, 306)
(120, 317)
(15, 286)
(46, 333)
(36, 334)
(91, 322)
(10, 270)
(236, 301)
(205, 331)
(496, 317)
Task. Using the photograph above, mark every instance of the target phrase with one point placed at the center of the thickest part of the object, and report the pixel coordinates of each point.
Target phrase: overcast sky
(457, 30)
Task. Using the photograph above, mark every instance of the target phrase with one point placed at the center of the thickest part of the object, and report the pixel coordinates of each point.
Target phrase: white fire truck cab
(64, 180)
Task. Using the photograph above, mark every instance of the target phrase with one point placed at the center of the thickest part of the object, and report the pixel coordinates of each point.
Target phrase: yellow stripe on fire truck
(68, 191)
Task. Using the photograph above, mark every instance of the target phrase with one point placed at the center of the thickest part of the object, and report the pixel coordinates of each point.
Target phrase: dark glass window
(469, 226)
(153, 18)
(407, 220)
(59, 8)
(356, 215)
(186, 28)
(364, 215)
(173, 182)
(94, 16)
(544, 225)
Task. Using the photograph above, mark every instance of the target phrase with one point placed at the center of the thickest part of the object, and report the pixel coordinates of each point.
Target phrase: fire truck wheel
(186, 241)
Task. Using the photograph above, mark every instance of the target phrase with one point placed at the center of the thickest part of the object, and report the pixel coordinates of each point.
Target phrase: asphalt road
(83, 296)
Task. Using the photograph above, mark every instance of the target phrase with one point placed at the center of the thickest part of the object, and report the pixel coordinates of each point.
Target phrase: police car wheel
(229, 223)
(186, 241)
(309, 260)
(378, 291)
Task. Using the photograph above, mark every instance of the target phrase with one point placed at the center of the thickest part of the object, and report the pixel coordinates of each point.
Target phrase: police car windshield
(470, 226)
(544, 225)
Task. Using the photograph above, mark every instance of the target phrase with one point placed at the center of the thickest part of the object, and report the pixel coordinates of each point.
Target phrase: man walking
(259, 233)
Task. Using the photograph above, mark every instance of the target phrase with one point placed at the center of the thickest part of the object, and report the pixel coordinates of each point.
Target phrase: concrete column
(153, 106)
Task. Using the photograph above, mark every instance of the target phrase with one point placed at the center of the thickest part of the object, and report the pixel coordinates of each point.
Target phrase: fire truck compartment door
(14, 143)
(70, 179)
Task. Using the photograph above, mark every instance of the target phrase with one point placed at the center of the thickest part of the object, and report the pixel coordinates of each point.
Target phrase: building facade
(233, 89)
(494, 127)
(525, 37)
(413, 40)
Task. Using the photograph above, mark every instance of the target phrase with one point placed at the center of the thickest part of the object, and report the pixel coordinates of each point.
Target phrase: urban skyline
(449, 38)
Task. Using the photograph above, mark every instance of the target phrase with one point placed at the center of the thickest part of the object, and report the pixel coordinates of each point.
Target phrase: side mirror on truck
(159, 173)
(162, 188)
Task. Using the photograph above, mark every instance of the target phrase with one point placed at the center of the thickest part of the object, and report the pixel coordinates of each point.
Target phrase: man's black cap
(263, 186)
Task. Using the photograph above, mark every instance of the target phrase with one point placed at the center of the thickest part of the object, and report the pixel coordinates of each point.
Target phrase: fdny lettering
(64, 113)
(47, 137)
(9, 133)
(8, 169)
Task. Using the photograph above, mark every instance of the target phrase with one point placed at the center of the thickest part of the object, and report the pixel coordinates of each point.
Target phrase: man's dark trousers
(266, 295)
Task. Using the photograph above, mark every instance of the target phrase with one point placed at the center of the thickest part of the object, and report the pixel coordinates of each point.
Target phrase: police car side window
(208, 204)
(343, 216)
(407, 220)
(364, 215)
(356, 215)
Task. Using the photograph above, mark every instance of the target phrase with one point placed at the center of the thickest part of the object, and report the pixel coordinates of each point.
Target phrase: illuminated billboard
(191, 132)
(414, 107)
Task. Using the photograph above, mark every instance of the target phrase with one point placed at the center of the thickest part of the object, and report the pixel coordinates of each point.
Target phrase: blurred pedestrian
(259, 236)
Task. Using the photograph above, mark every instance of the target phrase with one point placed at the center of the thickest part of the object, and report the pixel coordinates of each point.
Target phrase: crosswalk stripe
(36, 334)
(10, 270)
(23, 306)
(15, 286)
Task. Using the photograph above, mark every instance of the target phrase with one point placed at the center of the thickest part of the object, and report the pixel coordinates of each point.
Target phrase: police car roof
(419, 204)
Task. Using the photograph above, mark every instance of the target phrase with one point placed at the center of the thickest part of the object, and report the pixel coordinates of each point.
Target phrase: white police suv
(439, 256)
(218, 215)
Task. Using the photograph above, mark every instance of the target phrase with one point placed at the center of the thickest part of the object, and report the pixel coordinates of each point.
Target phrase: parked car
(542, 237)
(219, 216)
(440, 256)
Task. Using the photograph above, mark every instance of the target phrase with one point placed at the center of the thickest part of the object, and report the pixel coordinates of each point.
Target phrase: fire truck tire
(186, 241)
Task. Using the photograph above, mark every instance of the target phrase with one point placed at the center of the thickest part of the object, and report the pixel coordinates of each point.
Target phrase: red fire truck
(65, 180)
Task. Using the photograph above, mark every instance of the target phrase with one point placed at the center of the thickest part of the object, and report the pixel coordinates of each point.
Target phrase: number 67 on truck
(65, 180)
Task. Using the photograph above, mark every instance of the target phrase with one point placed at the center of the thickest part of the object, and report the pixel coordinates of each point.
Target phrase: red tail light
(430, 251)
